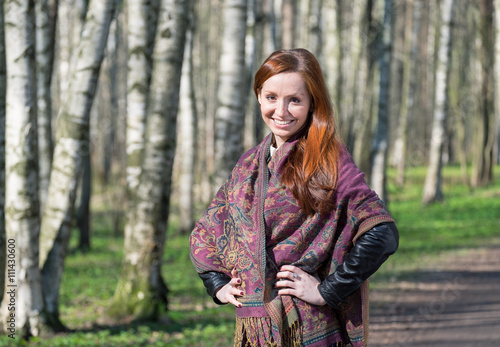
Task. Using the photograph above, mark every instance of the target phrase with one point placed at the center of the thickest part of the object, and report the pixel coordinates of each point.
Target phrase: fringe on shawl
(257, 331)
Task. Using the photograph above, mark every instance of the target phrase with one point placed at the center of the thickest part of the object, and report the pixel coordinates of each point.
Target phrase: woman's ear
(258, 99)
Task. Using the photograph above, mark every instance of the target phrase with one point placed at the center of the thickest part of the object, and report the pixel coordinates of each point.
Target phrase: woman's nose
(281, 108)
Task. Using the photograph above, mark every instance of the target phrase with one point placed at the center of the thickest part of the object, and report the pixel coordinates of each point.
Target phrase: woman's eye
(295, 100)
(270, 98)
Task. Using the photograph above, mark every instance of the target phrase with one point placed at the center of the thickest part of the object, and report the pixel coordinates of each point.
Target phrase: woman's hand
(228, 293)
(295, 281)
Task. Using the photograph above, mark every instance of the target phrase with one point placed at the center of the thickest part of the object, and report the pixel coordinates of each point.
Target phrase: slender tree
(232, 91)
(409, 84)
(45, 28)
(187, 129)
(496, 80)
(381, 138)
(287, 23)
(365, 89)
(331, 47)
(432, 188)
(142, 20)
(482, 160)
(141, 292)
(71, 144)
(22, 218)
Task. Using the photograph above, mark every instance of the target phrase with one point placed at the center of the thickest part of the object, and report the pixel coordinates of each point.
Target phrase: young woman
(292, 236)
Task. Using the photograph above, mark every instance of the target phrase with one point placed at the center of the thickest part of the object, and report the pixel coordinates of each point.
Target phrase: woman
(292, 236)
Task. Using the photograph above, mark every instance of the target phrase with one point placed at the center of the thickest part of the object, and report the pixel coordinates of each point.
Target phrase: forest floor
(455, 301)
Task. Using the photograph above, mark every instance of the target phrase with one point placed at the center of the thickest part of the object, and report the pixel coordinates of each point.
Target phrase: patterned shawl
(256, 225)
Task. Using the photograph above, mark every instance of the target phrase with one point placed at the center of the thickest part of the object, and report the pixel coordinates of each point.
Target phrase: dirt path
(455, 302)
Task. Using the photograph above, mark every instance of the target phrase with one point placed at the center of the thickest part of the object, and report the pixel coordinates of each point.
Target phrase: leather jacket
(369, 252)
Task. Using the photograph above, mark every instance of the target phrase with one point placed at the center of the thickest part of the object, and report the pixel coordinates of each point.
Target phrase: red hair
(311, 170)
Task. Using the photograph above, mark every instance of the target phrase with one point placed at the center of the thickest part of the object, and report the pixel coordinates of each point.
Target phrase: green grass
(465, 219)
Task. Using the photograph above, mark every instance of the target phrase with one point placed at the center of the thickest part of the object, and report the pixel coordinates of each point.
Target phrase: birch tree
(141, 290)
(187, 136)
(3, 86)
(408, 89)
(232, 91)
(21, 194)
(45, 24)
(71, 144)
(141, 34)
(380, 141)
(432, 187)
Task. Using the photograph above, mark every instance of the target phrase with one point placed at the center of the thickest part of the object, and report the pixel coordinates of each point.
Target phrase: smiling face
(285, 103)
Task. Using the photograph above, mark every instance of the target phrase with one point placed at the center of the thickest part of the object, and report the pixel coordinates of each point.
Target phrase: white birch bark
(232, 91)
(22, 220)
(71, 17)
(187, 130)
(252, 48)
(380, 141)
(3, 87)
(44, 57)
(432, 187)
(141, 33)
(141, 290)
(71, 142)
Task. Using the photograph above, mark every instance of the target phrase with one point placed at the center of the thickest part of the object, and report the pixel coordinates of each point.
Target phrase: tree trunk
(331, 48)
(482, 159)
(141, 291)
(187, 137)
(496, 81)
(83, 217)
(314, 26)
(22, 218)
(253, 56)
(142, 21)
(232, 92)
(348, 16)
(380, 141)
(3, 90)
(287, 23)
(432, 188)
(109, 130)
(45, 22)
(70, 21)
(363, 110)
(408, 89)
(71, 142)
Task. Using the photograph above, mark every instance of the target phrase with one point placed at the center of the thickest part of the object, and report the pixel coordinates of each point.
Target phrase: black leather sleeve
(366, 256)
(213, 281)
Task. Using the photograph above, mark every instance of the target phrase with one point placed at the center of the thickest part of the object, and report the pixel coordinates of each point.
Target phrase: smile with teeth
(282, 122)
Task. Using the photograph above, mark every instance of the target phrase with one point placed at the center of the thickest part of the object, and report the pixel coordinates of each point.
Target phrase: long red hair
(311, 170)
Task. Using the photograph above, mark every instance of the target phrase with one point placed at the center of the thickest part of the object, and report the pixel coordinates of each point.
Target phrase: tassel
(257, 332)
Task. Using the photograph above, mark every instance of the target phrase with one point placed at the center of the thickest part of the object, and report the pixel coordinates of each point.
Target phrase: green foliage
(465, 219)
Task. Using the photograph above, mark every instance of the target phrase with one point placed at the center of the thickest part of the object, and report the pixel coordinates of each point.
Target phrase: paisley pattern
(255, 225)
